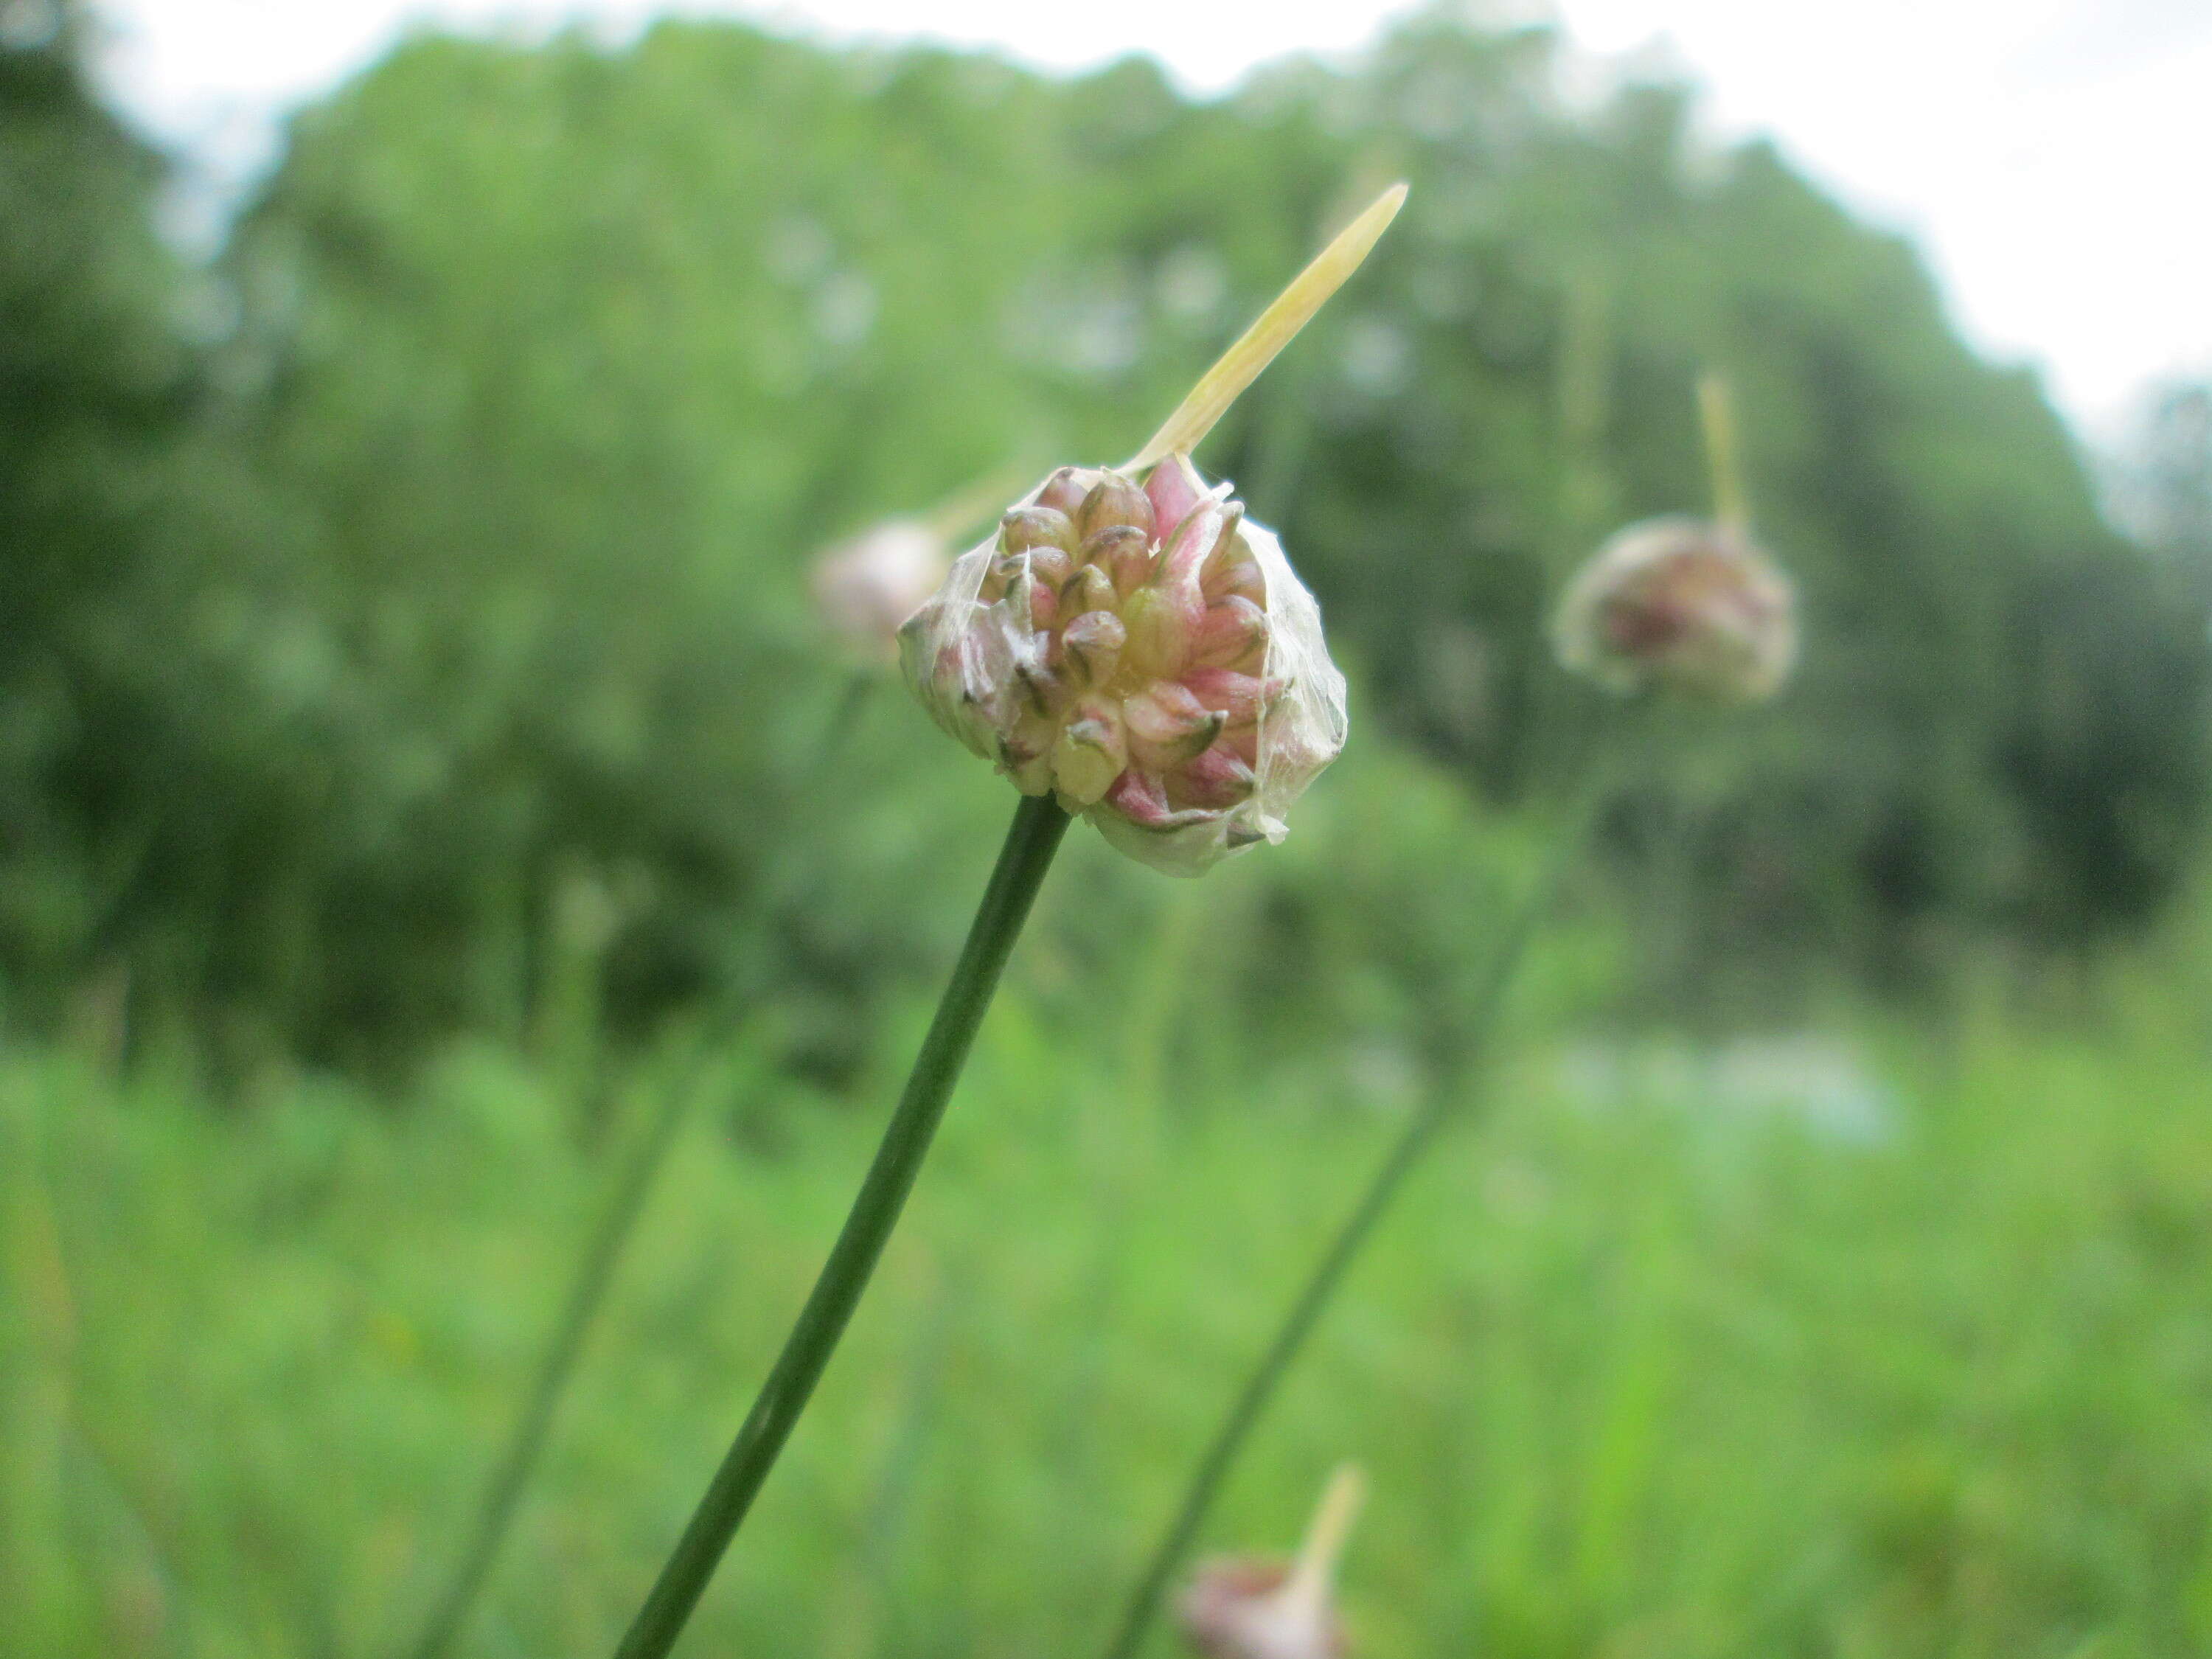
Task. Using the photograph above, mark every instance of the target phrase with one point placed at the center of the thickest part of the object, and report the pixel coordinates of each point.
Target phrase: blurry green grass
(1633, 1378)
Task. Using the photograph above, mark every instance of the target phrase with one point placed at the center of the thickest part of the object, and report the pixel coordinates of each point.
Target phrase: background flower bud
(1681, 605)
(1261, 1607)
(866, 586)
(1170, 681)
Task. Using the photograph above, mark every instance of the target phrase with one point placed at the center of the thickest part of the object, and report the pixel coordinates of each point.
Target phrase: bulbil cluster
(1144, 653)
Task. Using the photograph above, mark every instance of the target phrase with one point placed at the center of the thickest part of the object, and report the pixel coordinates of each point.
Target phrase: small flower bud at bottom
(1248, 1606)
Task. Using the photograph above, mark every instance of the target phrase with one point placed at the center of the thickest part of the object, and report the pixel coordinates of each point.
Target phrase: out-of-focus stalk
(595, 1273)
(1439, 1109)
(501, 1502)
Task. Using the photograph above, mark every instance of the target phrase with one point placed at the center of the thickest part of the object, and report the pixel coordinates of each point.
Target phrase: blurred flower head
(1681, 605)
(1144, 653)
(866, 586)
(1265, 1608)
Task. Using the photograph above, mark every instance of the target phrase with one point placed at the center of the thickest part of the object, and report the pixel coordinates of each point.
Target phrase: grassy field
(1662, 1357)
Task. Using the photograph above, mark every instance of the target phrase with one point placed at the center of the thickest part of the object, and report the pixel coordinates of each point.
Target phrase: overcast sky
(2051, 156)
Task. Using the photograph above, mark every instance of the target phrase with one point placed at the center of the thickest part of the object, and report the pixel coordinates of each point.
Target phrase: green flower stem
(1038, 825)
(1321, 1288)
(503, 1496)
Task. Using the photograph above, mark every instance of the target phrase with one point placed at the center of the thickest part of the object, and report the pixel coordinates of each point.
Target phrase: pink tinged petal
(1063, 492)
(1090, 648)
(954, 691)
(1175, 489)
(1115, 499)
(1036, 526)
(1233, 633)
(1091, 589)
(1218, 778)
(1163, 624)
(1124, 553)
(1049, 565)
(1196, 539)
(1232, 569)
(1168, 725)
(1240, 698)
(1141, 798)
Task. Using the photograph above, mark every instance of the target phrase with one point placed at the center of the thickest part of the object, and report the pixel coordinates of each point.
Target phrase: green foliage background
(409, 634)
(418, 761)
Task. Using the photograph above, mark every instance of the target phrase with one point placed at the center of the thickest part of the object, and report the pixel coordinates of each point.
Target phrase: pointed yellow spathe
(1220, 386)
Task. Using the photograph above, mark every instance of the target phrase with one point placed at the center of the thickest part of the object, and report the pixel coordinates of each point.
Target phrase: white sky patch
(2049, 155)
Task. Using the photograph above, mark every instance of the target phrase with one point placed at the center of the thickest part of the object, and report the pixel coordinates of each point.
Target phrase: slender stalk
(1321, 1287)
(1038, 825)
(594, 1273)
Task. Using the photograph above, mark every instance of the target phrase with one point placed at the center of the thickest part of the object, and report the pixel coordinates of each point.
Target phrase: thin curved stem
(1312, 1301)
(1038, 826)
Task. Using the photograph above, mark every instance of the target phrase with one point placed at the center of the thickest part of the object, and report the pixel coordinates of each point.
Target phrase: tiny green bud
(1036, 526)
(1090, 589)
(1090, 753)
(1063, 492)
(1115, 499)
(1123, 553)
(1090, 648)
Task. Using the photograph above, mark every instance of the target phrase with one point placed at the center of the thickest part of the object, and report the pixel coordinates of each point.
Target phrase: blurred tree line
(405, 618)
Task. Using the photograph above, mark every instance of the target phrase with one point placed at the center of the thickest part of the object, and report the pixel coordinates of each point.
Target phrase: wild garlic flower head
(1243, 1607)
(1143, 652)
(864, 587)
(1681, 605)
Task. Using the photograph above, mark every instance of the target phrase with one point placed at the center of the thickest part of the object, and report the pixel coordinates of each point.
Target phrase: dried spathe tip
(864, 587)
(1274, 328)
(1681, 605)
(1261, 1607)
(1143, 652)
